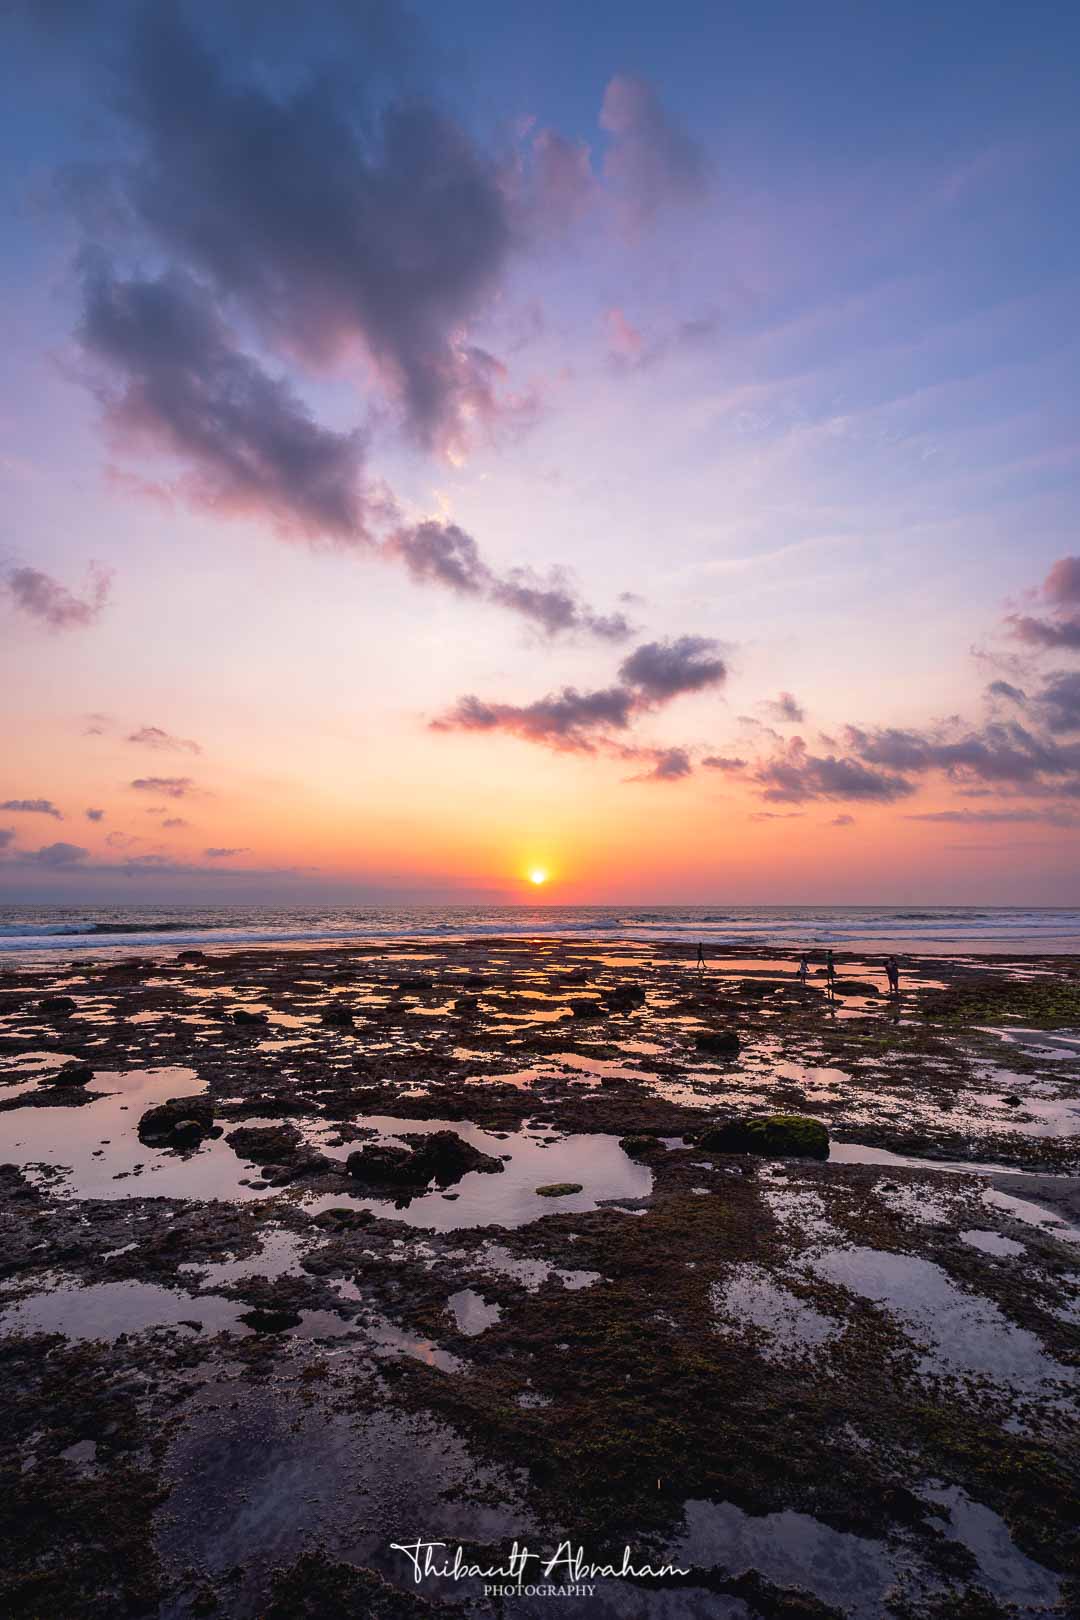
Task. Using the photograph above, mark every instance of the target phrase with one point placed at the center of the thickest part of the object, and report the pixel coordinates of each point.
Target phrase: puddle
(1032, 1214)
(106, 1310)
(472, 1313)
(508, 1199)
(533, 1273)
(1009, 1574)
(964, 1333)
(789, 1549)
(792, 1327)
(992, 1243)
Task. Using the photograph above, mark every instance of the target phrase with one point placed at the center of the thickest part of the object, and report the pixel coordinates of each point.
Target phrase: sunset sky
(634, 442)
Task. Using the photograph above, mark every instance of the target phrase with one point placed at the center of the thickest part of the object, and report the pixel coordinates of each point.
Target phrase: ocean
(30, 932)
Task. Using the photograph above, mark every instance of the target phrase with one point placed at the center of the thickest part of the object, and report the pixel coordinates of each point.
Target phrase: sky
(635, 444)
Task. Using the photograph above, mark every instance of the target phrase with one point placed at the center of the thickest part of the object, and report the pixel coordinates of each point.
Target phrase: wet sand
(437, 1244)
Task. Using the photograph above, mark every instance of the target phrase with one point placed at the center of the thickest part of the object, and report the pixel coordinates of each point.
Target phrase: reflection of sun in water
(538, 876)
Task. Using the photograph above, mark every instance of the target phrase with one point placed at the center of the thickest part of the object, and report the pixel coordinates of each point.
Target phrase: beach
(336, 1246)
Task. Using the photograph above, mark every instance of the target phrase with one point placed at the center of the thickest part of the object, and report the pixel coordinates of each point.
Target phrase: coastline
(590, 1313)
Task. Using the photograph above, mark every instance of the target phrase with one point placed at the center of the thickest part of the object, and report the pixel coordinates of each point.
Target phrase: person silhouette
(892, 970)
(700, 963)
(830, 972)
(804, 968)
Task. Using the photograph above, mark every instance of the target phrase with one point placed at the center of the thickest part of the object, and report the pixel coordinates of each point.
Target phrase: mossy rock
(774, 1136)
(642, 1147)
(559, 1189)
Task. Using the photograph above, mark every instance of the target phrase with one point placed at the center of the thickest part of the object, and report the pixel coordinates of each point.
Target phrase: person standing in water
(830, 972)
(804, 968)
(892, 970)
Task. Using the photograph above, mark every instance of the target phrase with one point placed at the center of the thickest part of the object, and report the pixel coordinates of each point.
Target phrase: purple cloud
(171, 787)
(222, 854)
(59, 855)
(94, 815)
(32, 807)
(785, 709)
(795, 775)
(154, 737)
(43, 598)
(650, 162)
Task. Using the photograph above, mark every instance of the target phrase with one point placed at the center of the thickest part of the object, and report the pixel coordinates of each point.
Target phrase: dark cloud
(94, 815)
(1059, 702)
(330, 220)
(661, 670)
(32, 807)
(1062, 583)
(842, 821)
(569, 720)
(1061, 589)
(965, 818)
(668, 765)
(785, 709)
(122, 840)
(175, 821)
(59, 855)
(1007, 692)
(1000, 753)
(43, 598)
(171, 787)
(221, 854)
(442, 553)
(795, 775)
(7, 836)
(650, 162)
(723, 762)
(169, 374)
(583, 722)
(155, 737)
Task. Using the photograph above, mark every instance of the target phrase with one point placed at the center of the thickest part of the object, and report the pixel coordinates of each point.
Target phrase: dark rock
(56, 1006)
(264, 1143)
(191, 956)
(243, 1016)
(642, 1147)
(416, 983)
(339, 1017)
(159, 1123)
(773, 1135)
(271, 1321)
(586, 1009)
(624, 997)
(441, 1156)
(342, 1220)
(467, 1004)
(72, 1074)
(187, 1133)
(854, 987)
(559, 1189)
(718, 1042)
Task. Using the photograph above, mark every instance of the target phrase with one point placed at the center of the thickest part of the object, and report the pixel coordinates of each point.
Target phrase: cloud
(563, 183)
(175, 821)
(154, 737)
(171, 787)
(795, 775)
(59, 855)
(1000, 753)
(842, 821)
(1056, 817)
(94, 815)
(43, 598)
(785, 709)
(662, 670)
(583, 722)
(669, 765)
(1007, 692)
(7, 836)
(32, 807)
(1059, 702)
(122, 840)
(650, 162)
(169, 375)
(221, 854)
(443, 554)
(1061, 589)
(625, 342)
(333, 223)
(723, 762)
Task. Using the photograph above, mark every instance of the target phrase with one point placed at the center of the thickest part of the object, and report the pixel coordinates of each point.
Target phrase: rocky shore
(307, 1252)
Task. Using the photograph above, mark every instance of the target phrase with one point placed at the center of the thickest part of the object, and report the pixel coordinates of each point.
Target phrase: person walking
(830, 972)
(892, 970)
(804, 969)
(700, 963)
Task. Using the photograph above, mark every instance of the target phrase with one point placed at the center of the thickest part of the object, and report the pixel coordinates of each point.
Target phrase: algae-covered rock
(559, 1189)
(160, 1123)
(642, 1147)
(264, 1143)
(718, 1042)
(772, 1135)
(441, 1156)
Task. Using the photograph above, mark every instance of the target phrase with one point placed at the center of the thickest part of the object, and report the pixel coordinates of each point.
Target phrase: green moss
(559, 1189)
(1045, 1004)
(774, 1136)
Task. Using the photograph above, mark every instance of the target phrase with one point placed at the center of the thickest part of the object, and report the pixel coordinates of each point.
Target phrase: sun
(538, 876)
